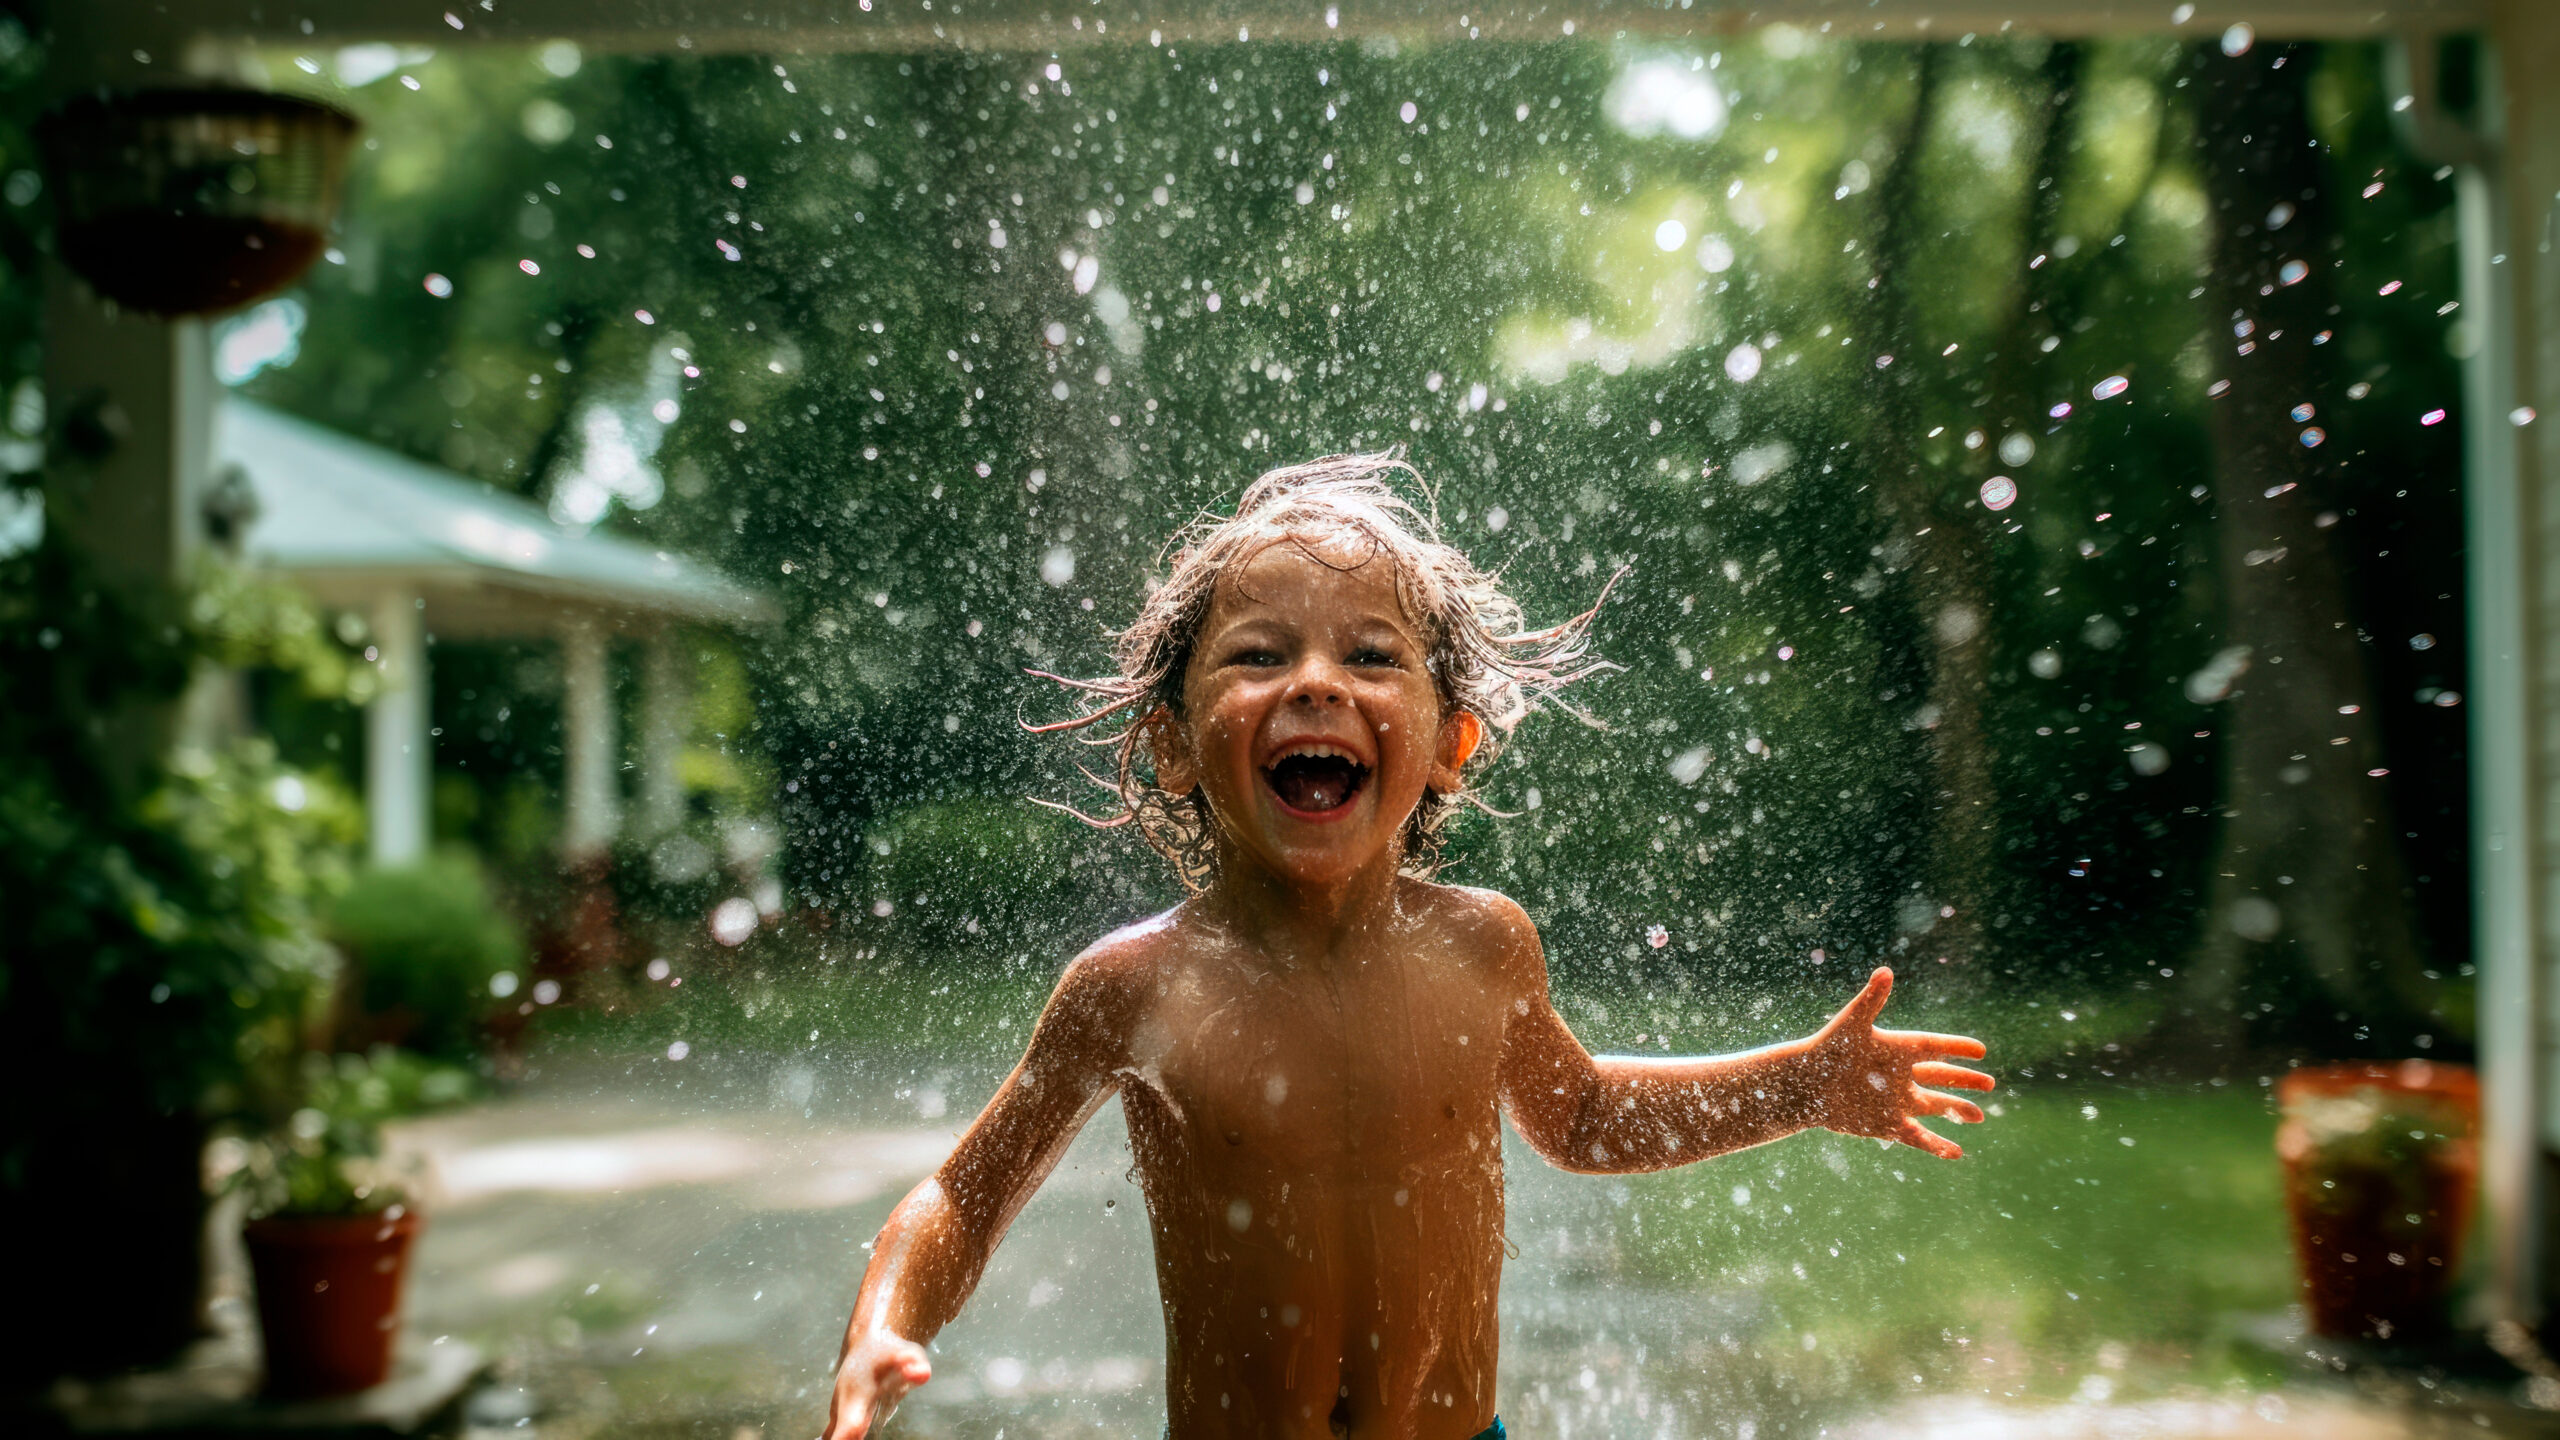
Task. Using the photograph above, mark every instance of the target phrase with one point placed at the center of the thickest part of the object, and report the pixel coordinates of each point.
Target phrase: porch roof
(347, 516)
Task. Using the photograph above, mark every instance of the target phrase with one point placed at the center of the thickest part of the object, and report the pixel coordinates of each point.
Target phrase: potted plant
(2380, 1171)
(331, 1227)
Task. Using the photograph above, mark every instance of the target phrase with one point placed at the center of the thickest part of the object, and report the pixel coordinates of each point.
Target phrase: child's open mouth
(1315, 783)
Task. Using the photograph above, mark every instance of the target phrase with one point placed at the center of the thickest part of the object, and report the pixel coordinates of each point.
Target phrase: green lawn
(2123, 1230)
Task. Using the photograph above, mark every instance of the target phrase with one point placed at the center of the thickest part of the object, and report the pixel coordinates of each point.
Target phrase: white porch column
(2518, 986)
(665, 701)
(594, 798)
(398, 751)
(131, 399)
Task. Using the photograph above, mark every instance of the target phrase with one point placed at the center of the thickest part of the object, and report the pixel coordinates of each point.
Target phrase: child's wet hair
(1478, 652)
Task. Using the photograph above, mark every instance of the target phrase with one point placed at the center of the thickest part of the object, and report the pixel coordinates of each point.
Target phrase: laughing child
(1314, 1049)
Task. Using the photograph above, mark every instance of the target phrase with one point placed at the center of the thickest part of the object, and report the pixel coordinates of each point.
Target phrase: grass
(2115, 1230)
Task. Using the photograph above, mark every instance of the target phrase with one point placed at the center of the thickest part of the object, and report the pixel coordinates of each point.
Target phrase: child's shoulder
(1133, 953)
(1474, 914)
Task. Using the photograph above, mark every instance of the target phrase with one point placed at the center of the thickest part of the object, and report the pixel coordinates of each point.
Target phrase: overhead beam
(106, 34)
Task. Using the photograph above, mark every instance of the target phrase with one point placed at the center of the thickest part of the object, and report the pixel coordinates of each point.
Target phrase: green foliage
(1764, 364)
(326, 1156)
(970, 872)
(426, 939)
(161, 911)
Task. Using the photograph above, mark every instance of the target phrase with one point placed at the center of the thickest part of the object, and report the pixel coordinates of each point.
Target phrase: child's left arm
(1616, 1114)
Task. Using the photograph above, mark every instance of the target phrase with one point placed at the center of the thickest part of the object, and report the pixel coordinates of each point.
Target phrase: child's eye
(1255, 657)
(1372, 657)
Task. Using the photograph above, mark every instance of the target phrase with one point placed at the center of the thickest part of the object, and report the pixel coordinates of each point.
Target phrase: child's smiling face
(1311, 720)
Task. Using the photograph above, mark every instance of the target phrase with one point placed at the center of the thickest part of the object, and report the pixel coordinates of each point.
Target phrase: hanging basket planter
(2381, 1167)
(190, 202)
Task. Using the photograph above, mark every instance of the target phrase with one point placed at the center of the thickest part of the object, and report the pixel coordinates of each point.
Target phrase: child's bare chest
(1372, 1071)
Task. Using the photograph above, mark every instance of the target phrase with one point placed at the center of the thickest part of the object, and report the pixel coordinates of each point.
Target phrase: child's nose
(1317, 683)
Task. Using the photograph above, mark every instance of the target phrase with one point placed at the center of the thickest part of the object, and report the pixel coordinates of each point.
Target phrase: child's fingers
(1963, 1047)
(1921, 1137)
(1931, 1072)
(1869, 1002)
(1963, 1111)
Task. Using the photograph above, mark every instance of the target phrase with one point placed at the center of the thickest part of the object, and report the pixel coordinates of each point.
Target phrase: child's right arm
(937, 1242)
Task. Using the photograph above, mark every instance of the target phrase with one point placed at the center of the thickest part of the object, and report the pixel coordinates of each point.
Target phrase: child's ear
(1171, 748)
(1460, 734)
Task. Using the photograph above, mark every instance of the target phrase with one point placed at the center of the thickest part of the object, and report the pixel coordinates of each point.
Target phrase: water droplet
(1670, 235)
(528, 267)
(2017, 448)
(1742, 362)
(2312, 435)
(1715, 254)
(2110, 388)
(2422, 641)
(1058, 566)
(2292, 272)
(2237, 40)
(733, 920)
(679, 1050)
(1656, 936)
(438, 286)
(1406, 112)
(2432, 417)
(1999, 493)
(2303, 412)
(2521, 416)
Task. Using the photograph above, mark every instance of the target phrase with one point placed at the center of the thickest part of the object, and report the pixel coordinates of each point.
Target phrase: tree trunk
(1947, 586)
(2308, 879)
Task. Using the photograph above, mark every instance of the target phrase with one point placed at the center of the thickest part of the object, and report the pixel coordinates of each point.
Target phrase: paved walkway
(650, 1259)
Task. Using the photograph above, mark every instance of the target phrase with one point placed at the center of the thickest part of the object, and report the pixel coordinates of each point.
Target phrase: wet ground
(658, 1250)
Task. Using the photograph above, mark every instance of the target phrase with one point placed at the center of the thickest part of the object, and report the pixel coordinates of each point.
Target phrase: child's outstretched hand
(1869, 1081)
(876, 1373)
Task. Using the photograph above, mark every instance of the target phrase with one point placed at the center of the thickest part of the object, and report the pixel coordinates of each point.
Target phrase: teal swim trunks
(1493, 1431)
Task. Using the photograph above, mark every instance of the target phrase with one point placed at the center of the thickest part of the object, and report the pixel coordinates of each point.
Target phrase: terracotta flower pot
(2381, 1167)
(329, 1298)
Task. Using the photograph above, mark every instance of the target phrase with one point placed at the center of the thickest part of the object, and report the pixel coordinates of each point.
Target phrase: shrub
(425, 940)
